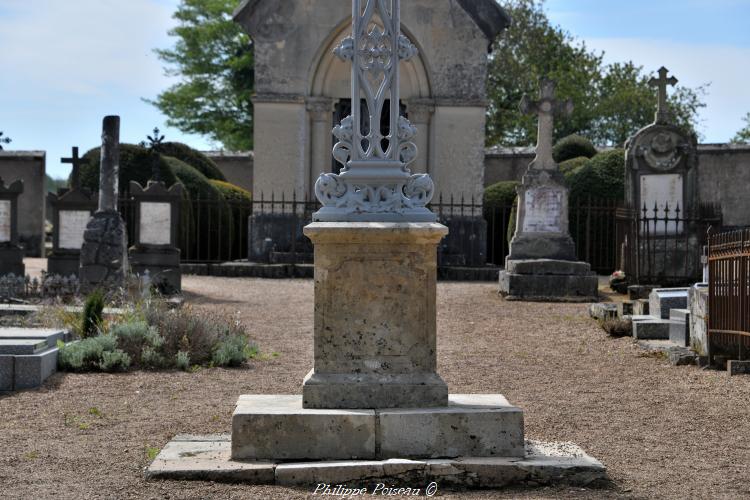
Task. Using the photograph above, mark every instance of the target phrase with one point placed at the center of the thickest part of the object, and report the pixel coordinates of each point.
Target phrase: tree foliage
(214, 59)
(743, 136)
(611, 101)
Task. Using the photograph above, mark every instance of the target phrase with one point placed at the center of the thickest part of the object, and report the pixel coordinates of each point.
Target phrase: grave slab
(679, 329)
(22, 346)
(32, 370)
(655, 329)
(662, 300)
(7, 372)
(736, 367)
(51, 336)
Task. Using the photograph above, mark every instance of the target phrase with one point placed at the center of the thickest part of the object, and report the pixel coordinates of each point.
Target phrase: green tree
(611, 101)
(214, 59)
(743, 136)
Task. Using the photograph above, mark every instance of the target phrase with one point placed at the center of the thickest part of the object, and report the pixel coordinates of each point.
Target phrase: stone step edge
(207, 458)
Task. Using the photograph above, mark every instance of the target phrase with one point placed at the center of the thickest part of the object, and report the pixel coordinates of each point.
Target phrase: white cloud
(726, 68)
(83, 47)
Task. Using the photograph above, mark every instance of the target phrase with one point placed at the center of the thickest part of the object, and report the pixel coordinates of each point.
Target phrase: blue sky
(67, 63)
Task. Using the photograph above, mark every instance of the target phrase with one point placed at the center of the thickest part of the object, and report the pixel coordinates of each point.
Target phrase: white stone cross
(662, 111)
(547, 107)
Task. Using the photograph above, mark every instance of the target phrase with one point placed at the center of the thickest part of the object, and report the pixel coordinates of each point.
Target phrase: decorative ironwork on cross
(154, 144)
(75, 174)
(663, 114)
(547, 107)
(375, 183)
(4, 140)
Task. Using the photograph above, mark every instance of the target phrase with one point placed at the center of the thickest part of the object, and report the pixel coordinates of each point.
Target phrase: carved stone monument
(71, 211)
(373, 401)
(661, 182)
(156, 232)
(542, 264)
(11, 253)
(104, 253)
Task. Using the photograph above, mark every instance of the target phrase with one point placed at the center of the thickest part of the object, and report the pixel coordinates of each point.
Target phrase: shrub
(114, 361)
(92, 316)
(194, 158)
(86, 354)
(569, 166)
(571, 147)
(150, 358)
(135, 337)
(183, 361)
(232, 351)
(501, 194)
(135, 165)
(602, 177)
(617, 327)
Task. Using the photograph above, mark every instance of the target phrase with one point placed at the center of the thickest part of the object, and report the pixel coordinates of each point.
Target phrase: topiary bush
(135, 165)
(92, 316)
(501, 194)
(602, 177)
(569, 166)
(194, 158)
(500, 210)
(571, 147)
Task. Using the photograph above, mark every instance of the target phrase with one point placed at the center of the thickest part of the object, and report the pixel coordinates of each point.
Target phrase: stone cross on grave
(75, 175)
(663, 114)
(154, 144)
(547, 107)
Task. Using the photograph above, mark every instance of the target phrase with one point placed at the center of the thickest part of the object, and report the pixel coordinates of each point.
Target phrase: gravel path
(663, 431)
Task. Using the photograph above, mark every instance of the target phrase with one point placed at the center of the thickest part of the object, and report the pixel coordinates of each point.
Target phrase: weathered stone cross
(547, 107)
(662, 111)
(75, 175)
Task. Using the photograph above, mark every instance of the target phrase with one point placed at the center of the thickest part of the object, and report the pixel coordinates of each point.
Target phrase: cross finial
(662, 111)
(154, 144)
(75, 175)
(547, 107)
(4, 140)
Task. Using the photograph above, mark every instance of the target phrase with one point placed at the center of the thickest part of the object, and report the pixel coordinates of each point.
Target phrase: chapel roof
(486, 14)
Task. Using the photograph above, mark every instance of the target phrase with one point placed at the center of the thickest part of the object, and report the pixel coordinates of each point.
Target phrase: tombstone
(157, 217)
(71, 211)
(542, 263)
(660, 183)
(11, 253)
(104, 253)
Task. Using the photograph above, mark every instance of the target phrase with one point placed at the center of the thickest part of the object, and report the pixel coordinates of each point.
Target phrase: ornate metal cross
(75, 174)
(547, 107)
(4, 140)
(154, 144)
(662, 111)
(375, 183)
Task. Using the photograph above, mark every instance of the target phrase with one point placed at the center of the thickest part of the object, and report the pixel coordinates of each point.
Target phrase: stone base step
(208, 458)
(51, 336)
(651, 329)
(277, 427)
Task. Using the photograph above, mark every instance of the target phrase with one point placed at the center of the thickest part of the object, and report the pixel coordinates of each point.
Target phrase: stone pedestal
(163, 265)
(375, 289)
(549, 280)
(104, 255)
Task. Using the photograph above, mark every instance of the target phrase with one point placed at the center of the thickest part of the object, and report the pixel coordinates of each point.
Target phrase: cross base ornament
(375, 183)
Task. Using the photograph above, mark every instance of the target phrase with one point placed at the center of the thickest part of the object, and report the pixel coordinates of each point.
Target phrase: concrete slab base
(548, 280)
(651, 329)
(277, 427)
(208, 458)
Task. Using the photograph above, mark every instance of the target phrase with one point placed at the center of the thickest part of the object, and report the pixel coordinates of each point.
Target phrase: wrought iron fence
(217, 230)
(663, 245)
(729, 293)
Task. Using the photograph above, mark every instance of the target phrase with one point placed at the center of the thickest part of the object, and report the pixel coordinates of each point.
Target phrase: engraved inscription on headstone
(660, 190)
(543, 211)
(72, 226)
(4, 221)
(155, 223)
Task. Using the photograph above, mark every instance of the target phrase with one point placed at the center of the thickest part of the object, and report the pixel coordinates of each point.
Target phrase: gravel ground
(663, 431)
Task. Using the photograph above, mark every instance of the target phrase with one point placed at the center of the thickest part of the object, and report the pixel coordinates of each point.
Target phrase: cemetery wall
(237, 167)
(724, 177)
(29, 166)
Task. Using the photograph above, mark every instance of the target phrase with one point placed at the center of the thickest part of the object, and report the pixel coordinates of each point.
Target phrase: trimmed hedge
(135, 165)
(602, 177)
(571, 147)
(568, 166)
(501, 194)
(194, 158)
(232, 192)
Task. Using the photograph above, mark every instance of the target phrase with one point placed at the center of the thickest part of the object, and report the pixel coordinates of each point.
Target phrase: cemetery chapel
(303, 90)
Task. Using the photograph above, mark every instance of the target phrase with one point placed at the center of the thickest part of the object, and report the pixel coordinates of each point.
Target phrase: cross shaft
(547, 107)
(662, 111)
(75, 175)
